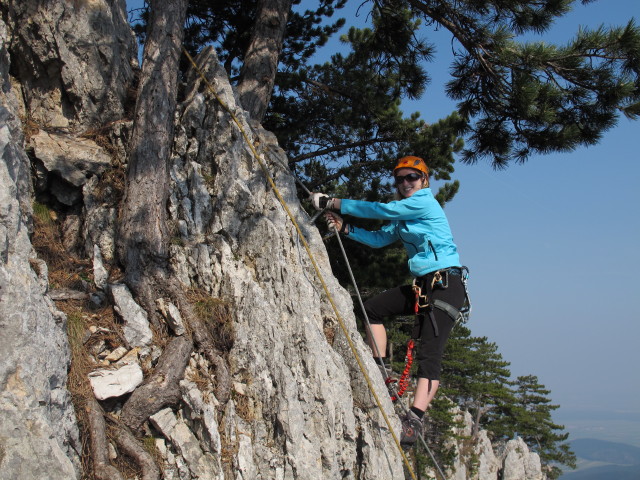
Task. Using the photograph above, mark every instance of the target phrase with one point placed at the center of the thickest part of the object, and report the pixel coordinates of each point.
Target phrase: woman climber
(420, 223)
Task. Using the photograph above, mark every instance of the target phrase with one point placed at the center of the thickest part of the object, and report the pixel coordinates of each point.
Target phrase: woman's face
(411, 184)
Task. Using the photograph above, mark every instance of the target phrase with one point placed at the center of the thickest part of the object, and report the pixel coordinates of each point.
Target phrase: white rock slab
(136, 324)
(115, 383)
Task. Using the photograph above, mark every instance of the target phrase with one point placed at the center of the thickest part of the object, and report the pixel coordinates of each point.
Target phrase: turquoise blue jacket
(418, 221)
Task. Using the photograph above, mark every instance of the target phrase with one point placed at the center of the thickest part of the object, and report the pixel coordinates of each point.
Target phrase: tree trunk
(144, 233)
(258, 73)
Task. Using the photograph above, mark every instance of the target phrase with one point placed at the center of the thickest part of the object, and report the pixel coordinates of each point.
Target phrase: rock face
(299, 390)
(38, 432)
(477, 459)
(300, 406)
(76, 60)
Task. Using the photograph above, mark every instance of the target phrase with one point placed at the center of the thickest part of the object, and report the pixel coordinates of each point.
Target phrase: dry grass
(68, 271)
(227, 455)
(112, 184)
(65, 270)
(29, 128)
(244, 407)
(200, 379)
(149, 444)
(100, 137)
(216, 313)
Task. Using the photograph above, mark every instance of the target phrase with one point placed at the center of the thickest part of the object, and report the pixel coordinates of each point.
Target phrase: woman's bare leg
(425, 391)
(379, 348)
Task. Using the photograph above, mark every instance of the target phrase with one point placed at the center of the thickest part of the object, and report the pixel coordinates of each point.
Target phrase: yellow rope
(311, 257)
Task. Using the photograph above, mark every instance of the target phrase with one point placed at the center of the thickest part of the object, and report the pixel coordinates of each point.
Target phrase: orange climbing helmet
(412, 162)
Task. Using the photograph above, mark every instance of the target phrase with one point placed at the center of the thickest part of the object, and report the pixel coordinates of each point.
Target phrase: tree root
(162, 388)
(206, 345)
(102, 469)
(131, 447)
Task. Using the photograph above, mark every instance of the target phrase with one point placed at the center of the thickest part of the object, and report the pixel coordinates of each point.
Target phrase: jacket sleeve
(376, 239)
(416, 206)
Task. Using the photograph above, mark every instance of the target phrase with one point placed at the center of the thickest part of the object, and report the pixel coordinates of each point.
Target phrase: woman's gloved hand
(319, 200)
(335, 221)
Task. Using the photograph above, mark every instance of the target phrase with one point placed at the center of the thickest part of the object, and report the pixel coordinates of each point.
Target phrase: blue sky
(552, 249)
(552, 246)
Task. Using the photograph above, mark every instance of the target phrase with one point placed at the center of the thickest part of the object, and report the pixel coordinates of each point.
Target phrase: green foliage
(42, 213)
(516, 98)
(529, 416)
(526, 98)
(439, 432)
(475, 376)
(352, 123)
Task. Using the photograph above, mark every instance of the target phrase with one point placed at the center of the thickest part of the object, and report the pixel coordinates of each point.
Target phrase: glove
(319, 200)
(335, 221)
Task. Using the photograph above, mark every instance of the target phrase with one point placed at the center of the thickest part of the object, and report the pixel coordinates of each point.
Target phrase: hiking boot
(411, 429)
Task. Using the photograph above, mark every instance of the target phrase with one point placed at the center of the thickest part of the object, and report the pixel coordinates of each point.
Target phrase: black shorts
(401, 301)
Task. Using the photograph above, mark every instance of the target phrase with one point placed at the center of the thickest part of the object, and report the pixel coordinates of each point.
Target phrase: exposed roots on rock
(102, 469)
(162, 388)
(205, 344)
(132, 447)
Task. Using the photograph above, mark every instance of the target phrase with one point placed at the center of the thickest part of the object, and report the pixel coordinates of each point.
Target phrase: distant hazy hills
(615, 461)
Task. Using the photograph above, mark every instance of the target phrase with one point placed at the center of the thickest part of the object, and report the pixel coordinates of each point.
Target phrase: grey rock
(520, 463)
(203, 415)
(107, 383)
(76, 61)
(172, 315)
(199, 463)
(241, 247)
(74, 159)
(99, 226)
(136, 324)
(100, 273)
(300, 407)
(38, 432)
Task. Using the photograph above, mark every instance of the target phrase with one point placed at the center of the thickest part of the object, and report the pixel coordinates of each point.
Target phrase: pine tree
(474, 374)
(533, 97)
(529, 416)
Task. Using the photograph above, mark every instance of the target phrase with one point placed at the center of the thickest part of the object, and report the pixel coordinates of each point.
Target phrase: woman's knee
(372, 311)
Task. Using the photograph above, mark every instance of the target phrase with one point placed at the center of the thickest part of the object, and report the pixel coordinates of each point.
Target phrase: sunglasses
(411, 177)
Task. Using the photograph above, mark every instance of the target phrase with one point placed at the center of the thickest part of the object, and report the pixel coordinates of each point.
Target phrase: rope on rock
(311, 257)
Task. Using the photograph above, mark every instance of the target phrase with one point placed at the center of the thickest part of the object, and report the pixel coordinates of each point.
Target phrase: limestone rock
(68, 161)
(38, 430)
(136, 323)
(76, 60)
(100, 273)
(200, 464)
(520, 463)
(107, 383)
(300, 406)
(172, 316)
(116, 354)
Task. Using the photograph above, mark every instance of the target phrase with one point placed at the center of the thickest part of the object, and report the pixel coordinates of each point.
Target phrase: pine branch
(339, 148)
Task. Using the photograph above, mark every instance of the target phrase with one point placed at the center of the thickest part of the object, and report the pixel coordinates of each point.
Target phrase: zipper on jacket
(433, 250)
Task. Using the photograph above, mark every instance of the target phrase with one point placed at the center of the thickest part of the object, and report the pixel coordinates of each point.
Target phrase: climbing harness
(421, 305)
(343, 327)
(440, 280)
